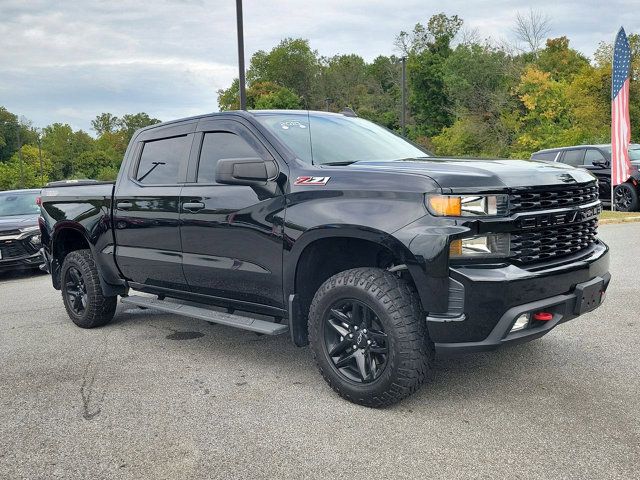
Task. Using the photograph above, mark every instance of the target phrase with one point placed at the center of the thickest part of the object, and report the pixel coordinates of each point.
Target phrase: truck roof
(249, 113)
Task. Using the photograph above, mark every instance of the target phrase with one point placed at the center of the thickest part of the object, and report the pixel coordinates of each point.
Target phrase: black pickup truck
(335, 231)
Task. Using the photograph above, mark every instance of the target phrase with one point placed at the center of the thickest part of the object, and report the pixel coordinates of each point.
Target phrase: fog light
(521, 323)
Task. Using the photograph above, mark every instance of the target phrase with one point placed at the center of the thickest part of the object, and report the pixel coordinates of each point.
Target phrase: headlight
(487, 246)
(466, 205)
(27, 231)
(35, 240)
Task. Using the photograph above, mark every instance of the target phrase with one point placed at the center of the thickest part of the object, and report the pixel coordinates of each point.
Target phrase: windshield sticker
(292, 124)
(312, 180)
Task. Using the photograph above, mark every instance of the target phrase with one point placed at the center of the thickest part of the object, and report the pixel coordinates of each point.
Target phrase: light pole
(404, 97)
(243, 92)
(20, 157)
(40, 158)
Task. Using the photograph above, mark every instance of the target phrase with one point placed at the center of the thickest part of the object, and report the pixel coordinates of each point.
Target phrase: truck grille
(13, 249)
(553, 242)
(562, 197)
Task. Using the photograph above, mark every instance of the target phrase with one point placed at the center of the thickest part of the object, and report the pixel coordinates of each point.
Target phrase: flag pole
(613, 55)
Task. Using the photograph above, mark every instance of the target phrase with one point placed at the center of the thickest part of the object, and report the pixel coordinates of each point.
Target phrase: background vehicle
(597, 159)
(19, 231)
(376, 254)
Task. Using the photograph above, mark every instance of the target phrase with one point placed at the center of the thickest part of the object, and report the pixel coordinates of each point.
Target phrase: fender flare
(107, 288)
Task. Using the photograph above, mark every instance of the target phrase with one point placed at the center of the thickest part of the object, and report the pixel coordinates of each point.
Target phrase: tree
(131, 122)
(291, 64)
(547, 118)
(260, 96)
(427, 50)
(25, 173)
(532, 28)
(105, 123)
(560, 61)
(14, 132)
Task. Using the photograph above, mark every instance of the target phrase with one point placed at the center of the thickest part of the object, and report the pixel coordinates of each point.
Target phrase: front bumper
(28, 261)
(491, 300)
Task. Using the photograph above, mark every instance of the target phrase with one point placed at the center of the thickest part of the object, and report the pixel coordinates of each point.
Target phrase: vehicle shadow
(473, 375)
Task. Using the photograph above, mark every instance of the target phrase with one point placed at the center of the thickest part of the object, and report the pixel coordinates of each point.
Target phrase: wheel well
(324, 258)
(66, 241)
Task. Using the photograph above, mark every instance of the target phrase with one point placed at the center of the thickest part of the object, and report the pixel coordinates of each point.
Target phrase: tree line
(465, 97)
(31, 157)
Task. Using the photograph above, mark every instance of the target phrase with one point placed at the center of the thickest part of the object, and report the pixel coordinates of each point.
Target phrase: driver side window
(219, 145)
(593, 155)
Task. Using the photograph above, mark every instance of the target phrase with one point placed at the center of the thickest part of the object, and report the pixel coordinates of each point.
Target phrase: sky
(65, 61)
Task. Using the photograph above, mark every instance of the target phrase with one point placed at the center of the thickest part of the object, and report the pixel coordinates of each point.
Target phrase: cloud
(69, 61)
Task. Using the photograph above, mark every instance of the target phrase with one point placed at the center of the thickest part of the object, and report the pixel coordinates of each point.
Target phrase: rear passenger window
(593, 155)
(573, 157)
(219, 145)
(161, 159)
(544, 156)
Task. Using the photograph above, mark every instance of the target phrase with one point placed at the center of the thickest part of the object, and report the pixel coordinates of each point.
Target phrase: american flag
(620, 125)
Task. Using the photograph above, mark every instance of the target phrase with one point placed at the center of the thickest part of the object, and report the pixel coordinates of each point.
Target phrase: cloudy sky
(63, 61)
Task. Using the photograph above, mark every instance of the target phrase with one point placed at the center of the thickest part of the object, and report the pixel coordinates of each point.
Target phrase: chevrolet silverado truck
(335, 231)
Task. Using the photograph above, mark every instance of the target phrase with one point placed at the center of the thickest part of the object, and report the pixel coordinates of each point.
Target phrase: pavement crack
(91, 396)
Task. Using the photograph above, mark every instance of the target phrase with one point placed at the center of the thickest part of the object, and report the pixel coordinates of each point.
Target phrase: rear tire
(82, 295)
(626, 198)
(369, 337)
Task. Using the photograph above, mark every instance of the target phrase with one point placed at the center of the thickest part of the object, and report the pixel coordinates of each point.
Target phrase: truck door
(601, 169)
(231, 234)
(146, 208)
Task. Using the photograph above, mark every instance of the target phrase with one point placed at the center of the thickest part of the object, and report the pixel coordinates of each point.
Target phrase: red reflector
(543, 316)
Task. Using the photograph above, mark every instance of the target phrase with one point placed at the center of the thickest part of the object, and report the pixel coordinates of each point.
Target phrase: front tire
(369, 337)
(625, 198)
(81, 292)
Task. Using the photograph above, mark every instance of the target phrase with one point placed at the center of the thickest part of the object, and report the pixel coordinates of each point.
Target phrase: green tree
(131, 122)
(105, 123)
(560, 61)
(25, 173)
(291, 64)
(427, 49)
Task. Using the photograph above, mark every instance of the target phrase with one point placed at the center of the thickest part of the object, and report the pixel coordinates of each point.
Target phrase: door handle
(192, 206)
(124, 205)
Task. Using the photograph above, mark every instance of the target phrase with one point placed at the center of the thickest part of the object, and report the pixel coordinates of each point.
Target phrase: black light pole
(243, 92)
(20, 156)
(404, 97)
(40, 157)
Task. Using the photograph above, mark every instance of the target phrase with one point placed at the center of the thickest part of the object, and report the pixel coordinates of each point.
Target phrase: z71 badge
(311, 180)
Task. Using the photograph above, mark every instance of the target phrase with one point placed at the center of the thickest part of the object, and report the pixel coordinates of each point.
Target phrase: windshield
(337, 139)
(12, 204)
(634, 152)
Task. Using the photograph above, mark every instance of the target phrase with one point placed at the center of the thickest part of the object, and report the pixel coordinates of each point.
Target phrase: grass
(608, 216)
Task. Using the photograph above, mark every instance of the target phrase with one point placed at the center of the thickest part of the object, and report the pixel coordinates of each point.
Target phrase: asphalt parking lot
(156, 396)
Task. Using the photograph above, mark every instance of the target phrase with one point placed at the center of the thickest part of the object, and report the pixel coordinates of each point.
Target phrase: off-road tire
(99, 309)
(396, 304)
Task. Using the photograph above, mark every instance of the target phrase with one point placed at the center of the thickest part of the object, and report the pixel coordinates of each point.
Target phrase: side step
(244, 323)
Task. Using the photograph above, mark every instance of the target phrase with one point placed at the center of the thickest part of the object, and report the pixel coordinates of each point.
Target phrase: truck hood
(15, 222)
(465, 173)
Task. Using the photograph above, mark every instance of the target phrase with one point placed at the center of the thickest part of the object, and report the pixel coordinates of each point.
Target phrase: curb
(606, 221)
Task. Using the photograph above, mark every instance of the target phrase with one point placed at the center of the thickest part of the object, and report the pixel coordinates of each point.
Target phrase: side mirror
(600, 163)
(245, 171)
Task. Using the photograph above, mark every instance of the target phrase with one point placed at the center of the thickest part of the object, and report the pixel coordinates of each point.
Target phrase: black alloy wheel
(369, 337)
(76, 291)
(355, 341)
(625, 198)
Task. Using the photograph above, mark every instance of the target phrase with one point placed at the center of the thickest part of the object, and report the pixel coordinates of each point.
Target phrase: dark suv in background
(597, 159)
(19, 231)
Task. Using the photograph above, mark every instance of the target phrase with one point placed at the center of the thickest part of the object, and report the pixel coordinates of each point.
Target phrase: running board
(244, 323)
